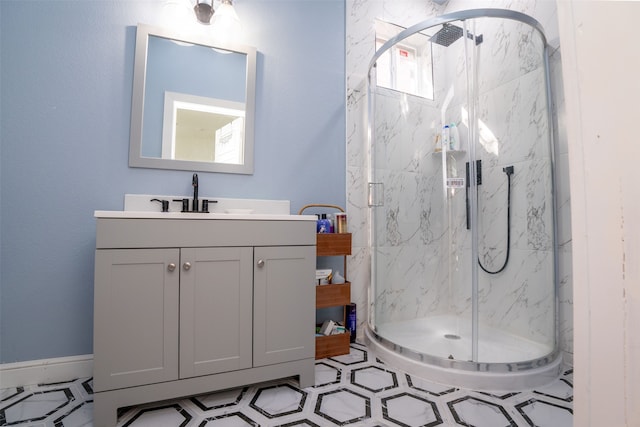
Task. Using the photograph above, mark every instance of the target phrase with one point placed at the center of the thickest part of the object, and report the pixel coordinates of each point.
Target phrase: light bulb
(225, 23)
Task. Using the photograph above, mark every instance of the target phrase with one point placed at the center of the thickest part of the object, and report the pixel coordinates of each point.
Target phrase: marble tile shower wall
(410, 231)
(413, 236)
(413, 177)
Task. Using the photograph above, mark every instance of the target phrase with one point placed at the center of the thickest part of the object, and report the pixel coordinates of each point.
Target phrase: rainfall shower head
(449, 33)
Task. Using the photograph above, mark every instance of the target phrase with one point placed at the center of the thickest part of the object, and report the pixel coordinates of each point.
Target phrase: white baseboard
(46, 371)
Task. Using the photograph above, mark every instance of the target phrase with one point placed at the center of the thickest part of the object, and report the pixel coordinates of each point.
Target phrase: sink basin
(239, 211)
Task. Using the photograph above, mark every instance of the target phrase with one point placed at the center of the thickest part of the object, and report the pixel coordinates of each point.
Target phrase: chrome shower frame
(551, 360)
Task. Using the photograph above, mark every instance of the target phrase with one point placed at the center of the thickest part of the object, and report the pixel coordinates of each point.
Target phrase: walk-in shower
(461, 196)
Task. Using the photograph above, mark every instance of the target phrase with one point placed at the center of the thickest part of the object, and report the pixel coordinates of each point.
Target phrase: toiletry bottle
(341, 223)
(454, 137)
(337, 279)
(332, 224)
(352, 322)
(446, 137)
(438, 143)
(323, 224)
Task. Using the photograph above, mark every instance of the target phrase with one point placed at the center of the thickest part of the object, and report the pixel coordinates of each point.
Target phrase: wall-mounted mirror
(193, 103)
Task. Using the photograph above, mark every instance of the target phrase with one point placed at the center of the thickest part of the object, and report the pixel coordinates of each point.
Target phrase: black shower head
(448, 34)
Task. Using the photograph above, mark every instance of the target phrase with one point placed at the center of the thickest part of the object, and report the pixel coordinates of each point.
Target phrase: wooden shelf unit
(334, 244)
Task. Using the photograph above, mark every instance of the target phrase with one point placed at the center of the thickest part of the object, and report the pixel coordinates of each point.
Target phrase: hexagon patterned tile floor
(354, 389)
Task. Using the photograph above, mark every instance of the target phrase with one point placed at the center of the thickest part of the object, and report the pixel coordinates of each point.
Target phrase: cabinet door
(135, 317)
(284, 304)
(215, 310)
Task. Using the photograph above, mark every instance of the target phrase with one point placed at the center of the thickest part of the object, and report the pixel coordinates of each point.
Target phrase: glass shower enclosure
(461, 194)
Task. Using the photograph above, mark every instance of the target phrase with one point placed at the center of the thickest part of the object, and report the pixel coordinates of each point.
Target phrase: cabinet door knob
(171, 267)
(261, 263)
(186, 265)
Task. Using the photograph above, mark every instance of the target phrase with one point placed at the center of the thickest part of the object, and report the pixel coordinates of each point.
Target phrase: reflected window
(228, 142)
(203, 129)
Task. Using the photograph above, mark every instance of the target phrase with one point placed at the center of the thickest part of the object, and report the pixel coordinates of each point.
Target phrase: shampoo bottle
(454, 137)
(446, 138)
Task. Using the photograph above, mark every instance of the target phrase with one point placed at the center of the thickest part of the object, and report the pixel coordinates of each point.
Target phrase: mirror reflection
(193, 104)
(202, 129)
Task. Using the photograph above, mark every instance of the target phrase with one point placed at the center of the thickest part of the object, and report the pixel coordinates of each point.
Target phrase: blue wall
(66, 72)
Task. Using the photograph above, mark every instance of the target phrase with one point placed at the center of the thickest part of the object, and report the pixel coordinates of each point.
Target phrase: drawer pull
(186, 265)
(171, 267)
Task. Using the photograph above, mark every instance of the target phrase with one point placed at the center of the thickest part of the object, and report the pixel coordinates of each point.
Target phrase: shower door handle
(468, 185)
(466, 199)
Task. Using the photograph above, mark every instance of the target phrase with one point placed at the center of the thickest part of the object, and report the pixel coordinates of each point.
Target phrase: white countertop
(200, 216)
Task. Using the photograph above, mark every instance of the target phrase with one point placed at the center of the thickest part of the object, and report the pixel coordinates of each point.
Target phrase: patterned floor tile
(410, 410)
(354, 390)
(167, 415)
(472, 411)
(78, 415)
(235, 419)
(221, 399)
(35, 406)
(356, 355)
(343, 406)
(561, 389)
(327, 374)
(10, 393)
(428, 386)
(545, 414)
(279, 400)
(374, 378)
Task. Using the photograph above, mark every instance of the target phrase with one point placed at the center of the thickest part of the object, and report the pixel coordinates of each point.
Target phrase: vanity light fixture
(225, 23)
(204, 10)
(224, 16)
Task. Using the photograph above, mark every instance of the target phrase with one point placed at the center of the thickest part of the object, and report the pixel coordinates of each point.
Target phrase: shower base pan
(439, 348)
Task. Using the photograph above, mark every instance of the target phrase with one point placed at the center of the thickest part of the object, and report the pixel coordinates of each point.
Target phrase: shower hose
(509, 171)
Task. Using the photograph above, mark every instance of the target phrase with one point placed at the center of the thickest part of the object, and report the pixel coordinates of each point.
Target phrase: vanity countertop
(202, 216)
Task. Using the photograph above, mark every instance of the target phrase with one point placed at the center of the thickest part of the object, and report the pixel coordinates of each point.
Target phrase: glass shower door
(421, 271)
(454, 45)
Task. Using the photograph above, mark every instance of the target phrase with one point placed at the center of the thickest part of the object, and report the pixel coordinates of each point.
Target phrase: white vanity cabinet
(188, 306)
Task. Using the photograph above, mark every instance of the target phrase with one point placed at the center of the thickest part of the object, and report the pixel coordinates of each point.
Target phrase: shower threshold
(439, 348)
(444, 335)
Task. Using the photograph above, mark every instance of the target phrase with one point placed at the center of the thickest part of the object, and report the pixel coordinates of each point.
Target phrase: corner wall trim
(46, 371)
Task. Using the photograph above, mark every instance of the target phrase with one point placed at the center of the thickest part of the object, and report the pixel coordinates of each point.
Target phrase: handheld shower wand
(508, 171)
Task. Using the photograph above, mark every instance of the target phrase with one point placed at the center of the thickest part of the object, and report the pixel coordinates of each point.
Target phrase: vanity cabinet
(186, 306)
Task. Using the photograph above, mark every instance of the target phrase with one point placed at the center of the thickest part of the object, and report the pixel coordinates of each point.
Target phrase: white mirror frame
(137, 105)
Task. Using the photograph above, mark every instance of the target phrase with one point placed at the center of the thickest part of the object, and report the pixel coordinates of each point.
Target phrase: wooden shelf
(334, 244)
(333, 295)
(332, 345)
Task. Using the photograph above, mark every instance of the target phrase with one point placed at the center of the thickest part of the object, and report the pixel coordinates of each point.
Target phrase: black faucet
(194, 182)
